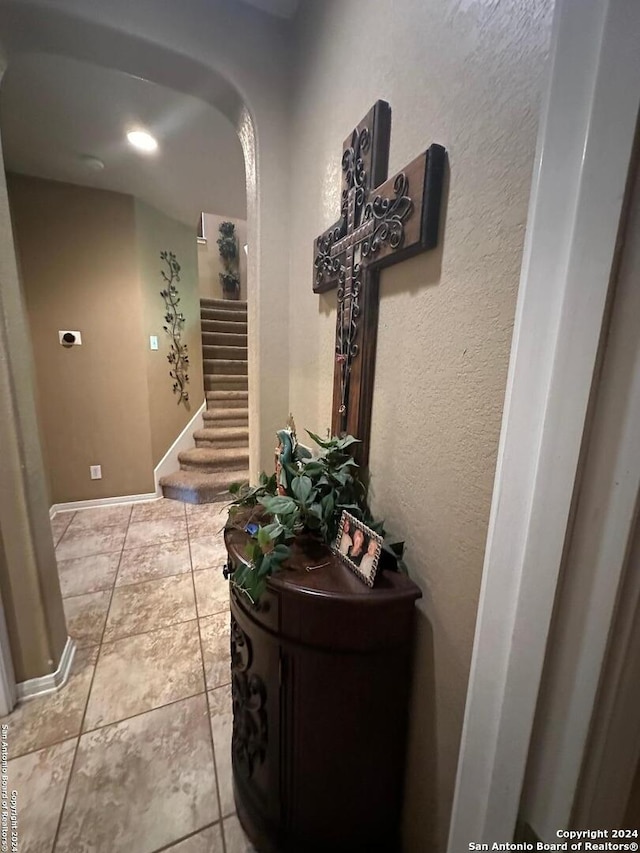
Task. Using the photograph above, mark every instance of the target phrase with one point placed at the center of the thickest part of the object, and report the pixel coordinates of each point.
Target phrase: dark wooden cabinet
(321, 672)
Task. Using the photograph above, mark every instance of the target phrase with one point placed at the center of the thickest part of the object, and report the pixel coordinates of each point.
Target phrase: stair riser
(212, 467)
(220, 339)
(232, 353)
(225, 304)
(222, 417)
(229, 382)
(224, 327)
(225, 400)
(222, 431)
(219, 314)
(230, 443)
(218, 366)
(221, 413)
(192, 496)
(228, 422)
(204, 493)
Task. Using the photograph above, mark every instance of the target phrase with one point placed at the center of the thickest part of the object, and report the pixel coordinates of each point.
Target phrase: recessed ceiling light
(142, 140)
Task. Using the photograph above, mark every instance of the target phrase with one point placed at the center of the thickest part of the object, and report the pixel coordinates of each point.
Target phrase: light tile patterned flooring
(133, 753)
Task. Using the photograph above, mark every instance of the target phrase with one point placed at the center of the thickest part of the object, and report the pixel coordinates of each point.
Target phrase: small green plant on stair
(228, 248)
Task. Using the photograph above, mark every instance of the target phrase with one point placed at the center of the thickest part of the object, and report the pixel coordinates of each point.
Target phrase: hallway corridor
(133, 753)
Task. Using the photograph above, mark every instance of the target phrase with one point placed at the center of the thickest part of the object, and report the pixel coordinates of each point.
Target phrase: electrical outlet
(153, 342)
(96, 472)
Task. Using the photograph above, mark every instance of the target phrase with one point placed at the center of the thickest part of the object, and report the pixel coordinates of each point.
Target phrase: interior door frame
(585, 141)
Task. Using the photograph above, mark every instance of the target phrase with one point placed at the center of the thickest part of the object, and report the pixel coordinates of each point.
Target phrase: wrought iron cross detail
(382, 222)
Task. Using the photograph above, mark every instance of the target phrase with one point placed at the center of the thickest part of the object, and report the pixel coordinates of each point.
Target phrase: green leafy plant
(228, 248)
(308, 496)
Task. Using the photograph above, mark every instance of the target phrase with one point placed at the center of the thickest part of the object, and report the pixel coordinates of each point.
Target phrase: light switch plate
(153, 341)
(77, 335)
(96, 472)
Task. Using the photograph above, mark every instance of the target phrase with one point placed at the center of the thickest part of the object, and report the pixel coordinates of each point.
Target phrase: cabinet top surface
(331, 579)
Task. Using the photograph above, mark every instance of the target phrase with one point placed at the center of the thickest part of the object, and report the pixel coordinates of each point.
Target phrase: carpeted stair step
(227, 399)
(226, 304)
(220, 381)
(223, 314)
(217, 366)
(221, 454)
(230, 422)
(217, 326)
(224, 352)
(225, 417)
(207, 460)
(196, 488)
(222, 436)
(222, 339)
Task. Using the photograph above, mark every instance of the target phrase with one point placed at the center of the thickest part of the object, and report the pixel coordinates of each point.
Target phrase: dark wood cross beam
(382, 221)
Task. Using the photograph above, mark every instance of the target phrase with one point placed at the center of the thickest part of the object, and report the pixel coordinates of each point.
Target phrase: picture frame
(358, 547)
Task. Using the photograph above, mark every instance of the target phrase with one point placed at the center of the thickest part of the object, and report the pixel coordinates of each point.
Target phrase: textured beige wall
(469, 76)
(79, 271)
(209, 261)
(156, 232)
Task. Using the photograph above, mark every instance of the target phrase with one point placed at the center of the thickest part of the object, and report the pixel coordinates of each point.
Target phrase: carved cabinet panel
(255, 744)
(321, 673)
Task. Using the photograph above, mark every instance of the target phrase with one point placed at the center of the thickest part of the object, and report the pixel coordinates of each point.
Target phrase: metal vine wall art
(178, 356)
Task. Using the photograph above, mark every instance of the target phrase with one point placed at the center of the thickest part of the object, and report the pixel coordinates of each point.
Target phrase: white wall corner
(586, 135)
(53, 681)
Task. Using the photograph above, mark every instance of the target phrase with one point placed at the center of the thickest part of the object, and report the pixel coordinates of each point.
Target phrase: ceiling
(281, 8)
(55, 111)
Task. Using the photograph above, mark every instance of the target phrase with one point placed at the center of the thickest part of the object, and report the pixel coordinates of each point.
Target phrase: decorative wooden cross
(382, 222)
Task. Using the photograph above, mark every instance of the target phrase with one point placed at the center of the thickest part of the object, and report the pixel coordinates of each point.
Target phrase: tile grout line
(133, 583)
(58, 540)
(206, 695)
(168, 847)
(86, 704)
(195, 534)
(115, 722)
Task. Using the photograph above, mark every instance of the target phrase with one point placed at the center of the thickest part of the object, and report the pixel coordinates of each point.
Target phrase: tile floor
(133, 753)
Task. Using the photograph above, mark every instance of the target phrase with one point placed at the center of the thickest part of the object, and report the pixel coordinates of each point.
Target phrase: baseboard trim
(72, 506)
(169, 463)
(53, 681)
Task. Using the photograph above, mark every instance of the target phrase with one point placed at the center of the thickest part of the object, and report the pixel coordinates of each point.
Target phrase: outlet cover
(153, 342)
(96, 472)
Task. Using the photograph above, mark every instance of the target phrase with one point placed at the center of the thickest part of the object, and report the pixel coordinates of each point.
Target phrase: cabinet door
(255, 673)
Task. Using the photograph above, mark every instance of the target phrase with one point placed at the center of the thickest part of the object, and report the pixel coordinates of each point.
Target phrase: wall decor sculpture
(178, 356)
(382, 221)
(228, 248)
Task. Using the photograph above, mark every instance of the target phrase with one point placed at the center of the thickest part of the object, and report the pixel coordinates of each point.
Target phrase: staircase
(221, 454)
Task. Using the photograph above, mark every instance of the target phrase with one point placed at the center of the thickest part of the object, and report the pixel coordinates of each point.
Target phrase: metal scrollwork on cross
(382, 222)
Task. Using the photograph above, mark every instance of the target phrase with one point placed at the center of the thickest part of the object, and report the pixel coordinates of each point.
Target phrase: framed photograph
(359, 547)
